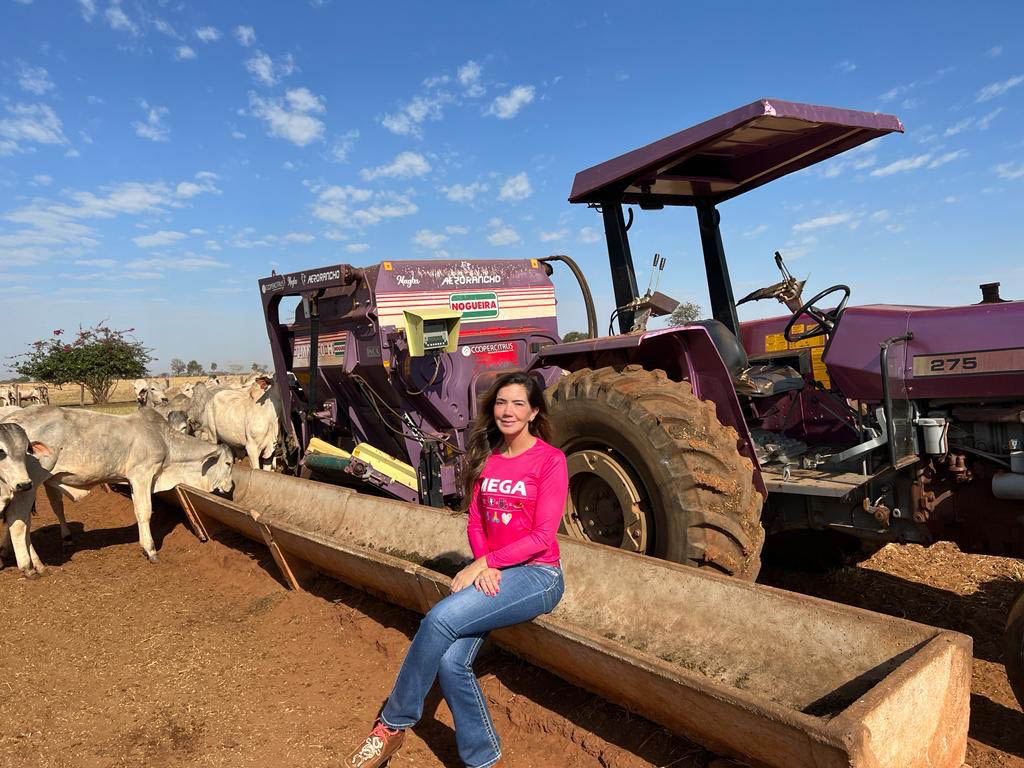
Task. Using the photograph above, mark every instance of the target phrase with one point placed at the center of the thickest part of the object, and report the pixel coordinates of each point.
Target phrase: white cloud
(588, 235)
(547, 237)
(184, 53)
(35, 80)
(506, 107)
(298, 237)
(464, 193)
(302, 100)
(880, 216)
(994, 52)
(287, 122)
(897, 91)
(343, 146)
(88, 9)
(165, 28)
(208, 34)
(822, 221)
(502, 234)
(469, 75)
(906, 164)
(245, 35)
(238, 135)
(158, 239)
(846, 66)
(261, 67)
(424, 238)
(189, 262)
(154, 128)
(516, 188)
(1010, 171)
(755, 231)
(992, 90)
(72, 153)
(986, 120)
(357, 247)
(406, 165)
(118, 19)
(204, 183)
(959, 127)
(409, 119)
(35, 123)
(453, 230)
(354, 207)
(268, 71)
(42, 180)
(951, 199)
(948, 157)
(95, 262)
(48, 228)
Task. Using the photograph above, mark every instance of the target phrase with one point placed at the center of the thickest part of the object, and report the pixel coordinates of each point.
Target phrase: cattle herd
(15, 394)
(189, 434)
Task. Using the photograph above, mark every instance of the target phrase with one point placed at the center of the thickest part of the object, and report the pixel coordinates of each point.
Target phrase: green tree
(95, 360)
(193, 368)
(177, 367)
(685, 313)
(574, 336)
(213, 367)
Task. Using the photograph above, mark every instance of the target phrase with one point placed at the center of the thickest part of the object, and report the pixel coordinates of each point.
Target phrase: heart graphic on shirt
(506, 517)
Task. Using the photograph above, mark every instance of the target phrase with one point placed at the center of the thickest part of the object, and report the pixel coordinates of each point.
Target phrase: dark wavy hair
(485, 437)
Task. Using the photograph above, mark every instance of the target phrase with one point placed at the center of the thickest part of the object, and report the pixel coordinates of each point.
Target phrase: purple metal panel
(730, 154)
(993, 334)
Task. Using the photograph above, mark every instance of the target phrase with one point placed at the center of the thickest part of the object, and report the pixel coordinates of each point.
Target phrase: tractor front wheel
(1013, 649)
(653, 470)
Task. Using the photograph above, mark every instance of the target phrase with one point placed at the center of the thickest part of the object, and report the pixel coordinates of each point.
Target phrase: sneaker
(377, 748)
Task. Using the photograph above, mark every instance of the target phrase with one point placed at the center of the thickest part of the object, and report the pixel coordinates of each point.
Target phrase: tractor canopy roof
(729, 154)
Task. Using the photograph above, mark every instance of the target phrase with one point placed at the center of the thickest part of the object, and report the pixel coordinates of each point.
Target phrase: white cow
(87, 449)
(8, 395)
(246, 419)
(15, 449)
(16, 452)
(37, 395)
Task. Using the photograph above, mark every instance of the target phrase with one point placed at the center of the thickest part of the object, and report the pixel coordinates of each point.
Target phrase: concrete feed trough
(772, 677)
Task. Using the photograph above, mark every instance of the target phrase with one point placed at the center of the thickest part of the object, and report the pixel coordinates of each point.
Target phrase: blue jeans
(446, 645)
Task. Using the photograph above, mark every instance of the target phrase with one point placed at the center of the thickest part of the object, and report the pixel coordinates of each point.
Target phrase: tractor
(857, 425)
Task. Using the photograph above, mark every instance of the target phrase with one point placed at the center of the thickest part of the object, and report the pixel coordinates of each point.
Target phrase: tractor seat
(757, 381)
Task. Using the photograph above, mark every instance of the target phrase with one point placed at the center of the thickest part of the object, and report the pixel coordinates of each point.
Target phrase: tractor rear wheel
(653, 470)
(1013, 649)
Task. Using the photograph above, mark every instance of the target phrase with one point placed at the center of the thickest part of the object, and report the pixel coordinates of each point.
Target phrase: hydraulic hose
(588, 299)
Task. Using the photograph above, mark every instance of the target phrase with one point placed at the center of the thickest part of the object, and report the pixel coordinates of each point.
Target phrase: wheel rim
(604, 504)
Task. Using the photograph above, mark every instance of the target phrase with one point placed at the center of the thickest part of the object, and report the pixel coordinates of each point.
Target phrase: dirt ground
(944, 587)
(207, 660)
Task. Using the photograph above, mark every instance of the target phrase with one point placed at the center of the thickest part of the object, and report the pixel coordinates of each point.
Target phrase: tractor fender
(685, 354)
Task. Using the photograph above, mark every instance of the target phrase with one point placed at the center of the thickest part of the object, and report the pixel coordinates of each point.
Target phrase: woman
(517, 484)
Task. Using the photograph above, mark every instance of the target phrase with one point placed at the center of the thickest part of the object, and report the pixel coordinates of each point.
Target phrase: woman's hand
(468, 575)
(488, 581)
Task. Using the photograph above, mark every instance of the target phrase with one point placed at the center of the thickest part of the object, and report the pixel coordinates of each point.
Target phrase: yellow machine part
(387, 465)
(316, 445)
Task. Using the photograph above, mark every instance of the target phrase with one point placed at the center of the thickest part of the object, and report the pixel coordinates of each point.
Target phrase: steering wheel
(825, 320)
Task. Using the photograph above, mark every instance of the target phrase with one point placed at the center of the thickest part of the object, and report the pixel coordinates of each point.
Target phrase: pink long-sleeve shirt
(517, 505)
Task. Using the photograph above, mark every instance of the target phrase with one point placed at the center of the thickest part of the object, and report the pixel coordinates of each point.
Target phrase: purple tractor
(844, 427)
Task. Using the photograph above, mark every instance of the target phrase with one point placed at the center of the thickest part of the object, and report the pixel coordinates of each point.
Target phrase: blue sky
(156, 158)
